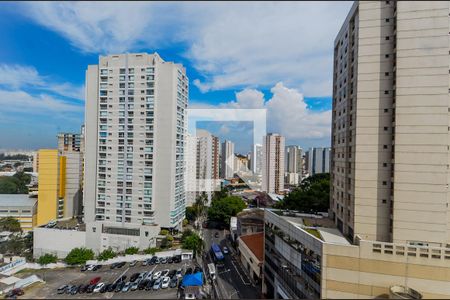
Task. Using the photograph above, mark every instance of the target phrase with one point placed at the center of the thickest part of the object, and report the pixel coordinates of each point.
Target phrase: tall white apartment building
(294, 164)
(273, 163)
(191, 169)
(207, 162)
(135, 142)
(227, 159)
(256, 159)
(318, 160)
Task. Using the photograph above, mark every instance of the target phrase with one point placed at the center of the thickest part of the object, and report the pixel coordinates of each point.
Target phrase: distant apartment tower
(256, 159)
(390, 141)
(135, 141)
(207, 169)
(294, 165)
(227, 159)
(191, 169)
(273, 163)
(318, 160)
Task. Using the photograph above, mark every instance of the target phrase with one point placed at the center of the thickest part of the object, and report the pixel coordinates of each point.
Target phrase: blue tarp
(193, 279)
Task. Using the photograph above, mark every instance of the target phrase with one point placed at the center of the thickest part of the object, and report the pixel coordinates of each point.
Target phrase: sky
(271, 55)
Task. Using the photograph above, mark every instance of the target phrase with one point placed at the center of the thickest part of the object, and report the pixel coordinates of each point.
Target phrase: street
(232, 281)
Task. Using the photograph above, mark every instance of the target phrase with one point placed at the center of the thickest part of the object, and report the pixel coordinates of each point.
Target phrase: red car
(95, 280)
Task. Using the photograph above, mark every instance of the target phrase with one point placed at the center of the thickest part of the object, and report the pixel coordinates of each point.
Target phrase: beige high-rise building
(273, 163)
(227, 160)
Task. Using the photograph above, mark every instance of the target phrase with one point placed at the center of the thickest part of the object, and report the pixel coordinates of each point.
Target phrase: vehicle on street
(120, 286)
(165, 282)
(216, 254)
(104, 288)
(95, 280)
(96, 267)
(179, 273)
(62, 289)
(90, 268)
(127, 286)
(173, 282)
(170, 260)
(145, 262)
(212, 271)
(98, 287)
(51, 224)
(188, 271)
(156, 275)
(153, 260)
(133, 263)
(165, 272)
(157, 284)
(225, 250)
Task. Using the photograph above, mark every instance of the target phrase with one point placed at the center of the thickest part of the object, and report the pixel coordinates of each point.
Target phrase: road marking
(239, 273)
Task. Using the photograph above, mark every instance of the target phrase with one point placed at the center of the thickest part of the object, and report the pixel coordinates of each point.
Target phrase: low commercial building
(305, 256)
(21, 207)
(251, 248)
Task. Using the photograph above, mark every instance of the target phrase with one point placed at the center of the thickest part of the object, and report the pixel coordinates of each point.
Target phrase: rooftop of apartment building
(318, 225)
(255, 242)
(16, 200)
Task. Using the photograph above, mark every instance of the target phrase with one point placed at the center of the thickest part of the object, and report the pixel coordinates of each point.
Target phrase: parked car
(177, 258)
(90, 288)
(225, 250)
(153, 260)
(157, 260)
(84, 268)
(157, 284)
(163, 260)
(134, 277)
(149, 275)
(157, 275)
(149, 285)
(113, 265)
(198, 269)
(83, 289)
(69, 289)
(172, 273)
(143, 284)
(133, 263)
(143, 275)
(75, 289)
(165, 282)
(120, 286)
(165, 272)
(135, 285)
(121, 264)
(95, 280)
(179, 273)
(188, 271)
(122, 278)
(170, 260)
(127, 286)
(111, 287)
(216, 235)
(96, 267)
(62, 289)
(104, 288)
(173, 282)
(145, 262)
(98, 287)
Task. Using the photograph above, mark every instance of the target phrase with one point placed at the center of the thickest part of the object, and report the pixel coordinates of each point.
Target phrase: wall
(56, 241)
(249, 259)
(48, 186)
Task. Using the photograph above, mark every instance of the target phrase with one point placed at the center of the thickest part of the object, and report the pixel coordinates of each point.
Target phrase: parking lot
(73, 276)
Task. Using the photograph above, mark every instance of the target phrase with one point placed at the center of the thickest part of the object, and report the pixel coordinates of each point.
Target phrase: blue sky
(269, 55)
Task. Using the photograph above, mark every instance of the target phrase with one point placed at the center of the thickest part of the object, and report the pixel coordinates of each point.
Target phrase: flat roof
(16, 200)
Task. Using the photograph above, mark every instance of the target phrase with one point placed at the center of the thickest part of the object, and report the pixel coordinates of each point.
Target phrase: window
(387, 38)
(384, 146)
(386, 55)
(384, 201)
(386, 92)
(386, 73)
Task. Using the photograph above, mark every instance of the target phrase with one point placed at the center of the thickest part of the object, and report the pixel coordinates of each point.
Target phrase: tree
(8, 185)
(131, 250)
(78, 256)
(185, 222)
(191, 213)
(313, 195)
(164, 232)
(47, 259)
(107, 254)
(223, 209)
(193, 242)
(10, 224)
(165, 243)
(151, 250)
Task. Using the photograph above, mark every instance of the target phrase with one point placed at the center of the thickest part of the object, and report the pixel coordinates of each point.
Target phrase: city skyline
(56, 95)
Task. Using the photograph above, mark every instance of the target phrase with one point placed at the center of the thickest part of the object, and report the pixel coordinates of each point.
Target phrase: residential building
(70, 142)
(318, 160)
(21, 207)
(191, 169)
(293, 165)
(36, 162)
(251, 249)
(207, 163)
(249, 221)
(227, 160)
(240, 163)
(135, 126)
(273, 163)
(256, 159)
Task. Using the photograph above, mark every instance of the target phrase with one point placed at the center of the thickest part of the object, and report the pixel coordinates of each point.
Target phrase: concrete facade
(227, 160)
(273, 163)
(20, 207)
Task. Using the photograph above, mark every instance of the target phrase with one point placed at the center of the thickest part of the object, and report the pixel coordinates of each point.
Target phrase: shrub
(164, 232)
(79, 256)
(47, 259)
(151, 250)
(131, 250)
(106, 254)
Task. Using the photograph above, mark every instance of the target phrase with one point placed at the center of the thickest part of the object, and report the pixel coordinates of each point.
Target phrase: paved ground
(73, 276)
(232, 280)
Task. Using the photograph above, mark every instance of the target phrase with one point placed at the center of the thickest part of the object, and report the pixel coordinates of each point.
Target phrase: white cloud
(16, 77)
(233, 45)
(287, 113)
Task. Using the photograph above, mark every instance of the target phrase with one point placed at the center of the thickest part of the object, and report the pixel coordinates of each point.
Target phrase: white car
(165, 272)
(149, 275)
(98, 287)
(179, 273)
(90, 267)
(157, 275)
(165, 282)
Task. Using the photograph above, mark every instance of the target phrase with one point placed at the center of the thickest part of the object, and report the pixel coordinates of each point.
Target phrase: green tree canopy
(192, 241)
(78, 256)
(47, 259)
(151, 250)
(107, 254)
(313, 195)
(10, 224)
(191, 213)
(131, 250)
(16, 184)
(222, 209)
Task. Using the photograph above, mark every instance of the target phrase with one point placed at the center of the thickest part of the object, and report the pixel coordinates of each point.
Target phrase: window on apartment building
(384, 201)
(386, 73)
(387, 38)
(385, 129)
(384, 183)
(387, 20)
(385, 147)
(386, 110)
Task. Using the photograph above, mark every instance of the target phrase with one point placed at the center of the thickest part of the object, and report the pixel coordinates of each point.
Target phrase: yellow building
(51, 186)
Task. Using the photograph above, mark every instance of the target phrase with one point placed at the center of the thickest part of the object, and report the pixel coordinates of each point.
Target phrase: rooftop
(255, 242)
(16, 200)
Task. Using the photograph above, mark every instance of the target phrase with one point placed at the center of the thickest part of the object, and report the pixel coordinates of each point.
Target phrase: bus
(212, 271)
(216, 253)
